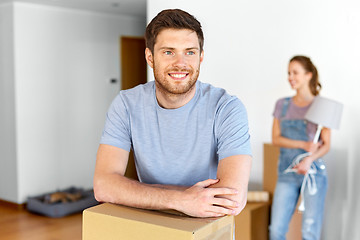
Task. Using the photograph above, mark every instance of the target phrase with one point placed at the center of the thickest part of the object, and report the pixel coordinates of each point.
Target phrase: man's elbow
(99, 191)
(97, 194)
(242, 200)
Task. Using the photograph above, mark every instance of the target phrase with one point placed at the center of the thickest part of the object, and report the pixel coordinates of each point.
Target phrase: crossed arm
(225, 195)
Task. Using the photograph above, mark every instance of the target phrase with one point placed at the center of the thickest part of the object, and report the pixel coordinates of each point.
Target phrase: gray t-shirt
(177, 146)
(294, 112)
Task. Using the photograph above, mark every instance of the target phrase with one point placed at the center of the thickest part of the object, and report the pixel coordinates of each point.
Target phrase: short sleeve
(117, 125)
(232, 130)
(278, 108)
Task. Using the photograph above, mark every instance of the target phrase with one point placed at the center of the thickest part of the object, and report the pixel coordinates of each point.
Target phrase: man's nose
(180, 60)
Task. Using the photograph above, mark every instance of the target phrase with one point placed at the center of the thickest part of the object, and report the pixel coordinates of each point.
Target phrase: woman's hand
(311, 147)
(304, 166)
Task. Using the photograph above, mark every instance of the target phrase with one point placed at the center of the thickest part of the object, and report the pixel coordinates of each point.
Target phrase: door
(133, 73)
(133, 64)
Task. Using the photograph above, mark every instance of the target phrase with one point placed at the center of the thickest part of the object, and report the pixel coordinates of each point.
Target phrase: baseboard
(12, 205)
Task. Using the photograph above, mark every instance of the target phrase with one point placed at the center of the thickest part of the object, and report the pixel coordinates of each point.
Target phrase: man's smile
(178, 76)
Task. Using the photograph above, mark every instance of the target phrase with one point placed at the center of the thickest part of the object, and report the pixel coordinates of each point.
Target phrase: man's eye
(190, 53)
(168, 53)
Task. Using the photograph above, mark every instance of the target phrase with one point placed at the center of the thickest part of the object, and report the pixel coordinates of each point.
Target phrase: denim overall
(289, 184)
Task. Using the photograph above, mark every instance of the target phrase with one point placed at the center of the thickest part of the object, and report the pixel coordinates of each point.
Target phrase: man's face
(176, 60)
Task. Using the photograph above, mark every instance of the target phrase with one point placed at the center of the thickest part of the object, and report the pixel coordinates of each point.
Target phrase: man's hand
(201, 201)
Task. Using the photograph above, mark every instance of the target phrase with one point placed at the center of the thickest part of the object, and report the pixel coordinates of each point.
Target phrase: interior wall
(64, 61)
(8, 172)
(247, 48)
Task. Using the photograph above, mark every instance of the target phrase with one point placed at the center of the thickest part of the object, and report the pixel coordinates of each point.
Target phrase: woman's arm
(305, 164)
(281, 141)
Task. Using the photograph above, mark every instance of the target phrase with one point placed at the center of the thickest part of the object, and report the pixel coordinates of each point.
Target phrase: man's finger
(207, 183)
(224, 202)
(223, 191)
(216, 215)
(221, 210)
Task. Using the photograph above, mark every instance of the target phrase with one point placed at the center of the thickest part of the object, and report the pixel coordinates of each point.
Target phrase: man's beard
(168, 87)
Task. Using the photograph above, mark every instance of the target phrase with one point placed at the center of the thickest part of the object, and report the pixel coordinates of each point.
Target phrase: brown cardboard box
(109, 221)
(271, 156)
(252, 223)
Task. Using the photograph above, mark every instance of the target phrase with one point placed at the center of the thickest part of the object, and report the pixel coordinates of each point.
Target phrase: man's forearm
(110, 185)
(118, 189)
(197, 200)
(171, 187)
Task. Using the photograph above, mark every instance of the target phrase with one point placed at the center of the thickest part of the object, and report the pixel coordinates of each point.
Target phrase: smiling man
(190, 140)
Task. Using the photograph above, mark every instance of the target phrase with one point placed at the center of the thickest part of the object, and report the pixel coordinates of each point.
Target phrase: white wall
(247, 48)
(8, 179)
(64, 60)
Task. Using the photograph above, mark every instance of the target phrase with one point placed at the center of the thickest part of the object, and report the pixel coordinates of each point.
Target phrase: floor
(22, 225)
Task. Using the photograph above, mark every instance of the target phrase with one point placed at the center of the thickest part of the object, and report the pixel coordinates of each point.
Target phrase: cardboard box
(109, 221)
(252, 223)
(271, 157)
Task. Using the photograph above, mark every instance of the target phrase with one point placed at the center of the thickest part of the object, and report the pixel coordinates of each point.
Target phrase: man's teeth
(178, 75)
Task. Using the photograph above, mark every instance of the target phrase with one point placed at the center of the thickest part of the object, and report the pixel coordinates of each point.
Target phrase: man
(190, 139)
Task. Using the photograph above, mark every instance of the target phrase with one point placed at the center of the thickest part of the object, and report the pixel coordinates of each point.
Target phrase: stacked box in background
(271, 157)
(252, 223)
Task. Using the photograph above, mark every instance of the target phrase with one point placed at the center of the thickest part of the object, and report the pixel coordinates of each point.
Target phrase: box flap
(184, 223)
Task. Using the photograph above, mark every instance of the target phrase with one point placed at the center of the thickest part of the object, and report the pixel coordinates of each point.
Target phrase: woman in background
(294, 135)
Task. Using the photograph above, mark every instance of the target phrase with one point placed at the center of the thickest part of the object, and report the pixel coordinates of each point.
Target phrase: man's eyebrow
(167, 48)
(171, 48)
(193, 48)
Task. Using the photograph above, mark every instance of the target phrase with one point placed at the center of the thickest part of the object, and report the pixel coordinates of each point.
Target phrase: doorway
(133, 63)
(133, 73)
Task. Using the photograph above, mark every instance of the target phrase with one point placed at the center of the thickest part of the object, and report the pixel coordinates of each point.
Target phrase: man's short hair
(175, 19)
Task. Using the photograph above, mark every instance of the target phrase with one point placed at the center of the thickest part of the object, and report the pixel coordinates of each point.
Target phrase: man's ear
(201, 56)
(149, 57)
